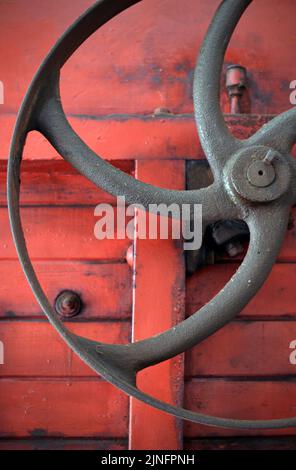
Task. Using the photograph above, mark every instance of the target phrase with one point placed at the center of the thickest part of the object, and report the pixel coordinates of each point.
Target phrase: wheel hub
(259, 174)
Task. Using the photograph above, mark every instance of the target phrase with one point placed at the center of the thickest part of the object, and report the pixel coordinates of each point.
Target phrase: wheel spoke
(267, 230)
(216, 140)
(279, 133)
(53, 124)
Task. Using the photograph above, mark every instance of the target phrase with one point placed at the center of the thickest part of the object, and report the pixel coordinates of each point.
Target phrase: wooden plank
(56, 182)
(239, 399)
(160, 137)
(63, 444)
(155, 71)
(60, 233)
(245, 349)
(64, 408)
(275, 299)
(105, 289)
(34, 349)
(159, 304)
(242, 443)
(55, 408)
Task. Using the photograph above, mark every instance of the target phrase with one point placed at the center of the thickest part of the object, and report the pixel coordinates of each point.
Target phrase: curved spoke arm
(267, 230)
(216, 140)
(279, 133)
(53, 124)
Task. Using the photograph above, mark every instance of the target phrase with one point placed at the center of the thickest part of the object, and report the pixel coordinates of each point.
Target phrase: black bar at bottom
(147, 459)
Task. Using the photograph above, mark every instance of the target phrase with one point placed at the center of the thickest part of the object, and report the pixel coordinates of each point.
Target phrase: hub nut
(259, 174)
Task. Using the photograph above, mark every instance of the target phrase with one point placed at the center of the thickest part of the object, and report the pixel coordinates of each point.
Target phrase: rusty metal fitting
(68, 304)
(236, 83)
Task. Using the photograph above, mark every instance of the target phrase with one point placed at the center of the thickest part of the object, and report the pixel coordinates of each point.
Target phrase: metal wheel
(254, 180)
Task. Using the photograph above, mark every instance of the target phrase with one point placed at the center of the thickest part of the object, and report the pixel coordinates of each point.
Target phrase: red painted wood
(260, 348)
(84, 408)
(60, 233)
(239, 399)
(58, 183)
(129, 137)
(44, 354)
(158, 305)
(242, 443)
(63, 444)
(287, 253)
(275, 299)
(105, 289)
(51, 403)
(157, 70)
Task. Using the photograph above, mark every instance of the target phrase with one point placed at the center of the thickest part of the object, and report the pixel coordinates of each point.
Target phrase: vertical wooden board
(158, 305)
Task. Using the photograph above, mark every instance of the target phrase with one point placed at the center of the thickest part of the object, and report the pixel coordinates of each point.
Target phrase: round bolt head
(68, 304)
(261, 174)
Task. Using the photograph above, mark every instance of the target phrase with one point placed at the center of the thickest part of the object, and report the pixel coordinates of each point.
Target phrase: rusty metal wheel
(254, 180)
